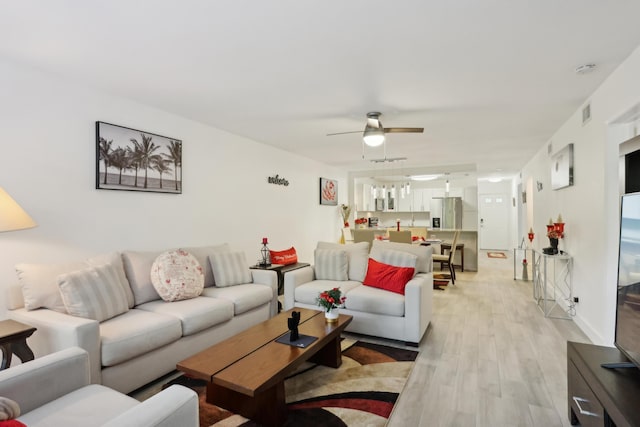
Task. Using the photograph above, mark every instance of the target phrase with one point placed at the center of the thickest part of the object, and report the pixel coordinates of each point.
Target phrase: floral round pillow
(177, 275)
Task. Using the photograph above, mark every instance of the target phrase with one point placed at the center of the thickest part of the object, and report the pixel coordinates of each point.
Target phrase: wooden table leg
(6, 355)
(22, 350)
(330, 355)
(268, 408)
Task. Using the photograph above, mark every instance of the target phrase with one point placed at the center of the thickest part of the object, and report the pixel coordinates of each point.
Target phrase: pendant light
(408, 188)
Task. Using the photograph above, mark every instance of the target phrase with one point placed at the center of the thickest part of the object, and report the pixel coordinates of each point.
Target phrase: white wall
(47, 163)
(590, 208)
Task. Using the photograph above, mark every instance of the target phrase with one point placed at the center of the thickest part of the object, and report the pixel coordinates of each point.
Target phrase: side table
(13, 340)
(280, 270)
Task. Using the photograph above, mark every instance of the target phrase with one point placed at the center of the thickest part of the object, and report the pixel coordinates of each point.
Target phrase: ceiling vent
(586, 114)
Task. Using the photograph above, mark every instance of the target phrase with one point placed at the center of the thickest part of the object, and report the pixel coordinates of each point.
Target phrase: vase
(331, 316)
(554, 245)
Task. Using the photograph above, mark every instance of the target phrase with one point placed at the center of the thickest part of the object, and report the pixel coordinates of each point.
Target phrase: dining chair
(363, 235)
(447, 259)
(400, 236)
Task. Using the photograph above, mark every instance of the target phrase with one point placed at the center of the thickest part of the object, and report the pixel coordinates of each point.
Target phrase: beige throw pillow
(39, 282)
(93, 293)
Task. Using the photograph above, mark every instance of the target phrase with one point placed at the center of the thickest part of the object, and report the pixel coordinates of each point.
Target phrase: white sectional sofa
(55, 390)
(375, 311)
(150, 335)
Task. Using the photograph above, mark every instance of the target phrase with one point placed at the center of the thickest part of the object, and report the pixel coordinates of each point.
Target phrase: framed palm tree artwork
(135, 160)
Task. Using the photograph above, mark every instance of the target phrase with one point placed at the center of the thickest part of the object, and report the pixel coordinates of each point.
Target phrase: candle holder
(265, 255)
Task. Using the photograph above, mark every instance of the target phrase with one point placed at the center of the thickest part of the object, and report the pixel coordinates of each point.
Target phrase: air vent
(586, 113)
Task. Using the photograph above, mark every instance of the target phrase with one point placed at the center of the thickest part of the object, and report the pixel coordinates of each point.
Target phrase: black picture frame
(135, 160)
(328, 192)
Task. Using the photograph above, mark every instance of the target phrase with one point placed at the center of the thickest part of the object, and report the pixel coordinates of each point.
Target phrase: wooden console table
(599, 396)
(13, 340)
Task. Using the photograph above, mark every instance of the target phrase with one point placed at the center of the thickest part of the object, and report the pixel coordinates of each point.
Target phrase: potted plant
(331, 301)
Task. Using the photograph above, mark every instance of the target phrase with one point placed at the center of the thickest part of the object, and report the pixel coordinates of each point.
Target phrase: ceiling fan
(373, 134)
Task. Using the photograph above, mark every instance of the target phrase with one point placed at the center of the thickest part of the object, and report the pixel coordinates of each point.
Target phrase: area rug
(438, 283)
(361, 392)
(496, 255)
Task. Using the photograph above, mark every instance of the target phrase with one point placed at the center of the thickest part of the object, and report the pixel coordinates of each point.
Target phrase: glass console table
(552, 287)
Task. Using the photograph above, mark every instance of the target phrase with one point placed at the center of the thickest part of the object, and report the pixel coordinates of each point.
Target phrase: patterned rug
(361, 392)
(496, 255)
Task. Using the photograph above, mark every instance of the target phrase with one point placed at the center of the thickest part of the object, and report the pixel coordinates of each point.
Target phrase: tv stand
(598, 396)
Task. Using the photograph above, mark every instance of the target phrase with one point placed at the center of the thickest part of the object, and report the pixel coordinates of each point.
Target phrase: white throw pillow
(230, 268)
(331, 264)
(177, 275)
(424, 262)
(397, 259)
(39, 282)
(202, 255)
(357, 255)
(93, 293)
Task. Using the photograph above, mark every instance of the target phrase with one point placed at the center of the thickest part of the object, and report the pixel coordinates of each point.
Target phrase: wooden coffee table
(246, 372)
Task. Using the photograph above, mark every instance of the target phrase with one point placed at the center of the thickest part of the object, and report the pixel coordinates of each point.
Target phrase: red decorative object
(398, 225)
(286, 257)
(388, 277)
(531, 237)
(559, 228)
(264, 241)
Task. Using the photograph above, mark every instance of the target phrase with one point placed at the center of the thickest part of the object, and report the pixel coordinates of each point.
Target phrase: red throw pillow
(286, 257)
(388, 277)
(12, 423)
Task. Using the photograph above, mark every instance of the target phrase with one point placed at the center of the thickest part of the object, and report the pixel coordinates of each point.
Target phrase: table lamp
(12, 216)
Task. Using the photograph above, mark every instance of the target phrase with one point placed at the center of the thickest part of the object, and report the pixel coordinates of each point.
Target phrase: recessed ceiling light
(585, 68)
(495, 179)
(424, 177)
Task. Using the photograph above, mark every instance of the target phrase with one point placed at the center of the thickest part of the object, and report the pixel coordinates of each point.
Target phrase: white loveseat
(55, 390)
(375, 311)
(146, 341)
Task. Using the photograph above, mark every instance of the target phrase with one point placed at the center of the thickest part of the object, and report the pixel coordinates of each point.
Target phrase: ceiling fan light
(373, 137)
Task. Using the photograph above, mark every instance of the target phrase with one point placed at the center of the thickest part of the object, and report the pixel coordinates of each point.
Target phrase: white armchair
(56, 390)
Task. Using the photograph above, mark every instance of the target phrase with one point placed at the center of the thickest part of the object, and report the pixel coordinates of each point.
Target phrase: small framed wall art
(328, 192)
(135, 160)
(562, 168)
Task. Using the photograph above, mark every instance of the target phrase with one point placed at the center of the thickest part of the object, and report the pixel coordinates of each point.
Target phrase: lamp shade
(12, 216)
(373, 137)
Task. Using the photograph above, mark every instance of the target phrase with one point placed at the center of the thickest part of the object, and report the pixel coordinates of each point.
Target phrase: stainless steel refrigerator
(447, 212)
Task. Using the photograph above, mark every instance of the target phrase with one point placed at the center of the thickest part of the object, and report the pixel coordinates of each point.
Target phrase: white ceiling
(490, 80)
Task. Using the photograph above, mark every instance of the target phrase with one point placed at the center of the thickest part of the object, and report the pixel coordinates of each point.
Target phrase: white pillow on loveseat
(357, 255)
(331, 264)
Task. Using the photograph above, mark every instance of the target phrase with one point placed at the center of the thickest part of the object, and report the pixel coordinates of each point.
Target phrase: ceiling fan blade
(343, 133)
(403, 130)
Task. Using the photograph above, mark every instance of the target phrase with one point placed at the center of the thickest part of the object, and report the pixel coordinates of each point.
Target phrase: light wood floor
(490, 358)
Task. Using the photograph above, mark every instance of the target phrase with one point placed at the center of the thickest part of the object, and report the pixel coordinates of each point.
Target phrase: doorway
(494, 221)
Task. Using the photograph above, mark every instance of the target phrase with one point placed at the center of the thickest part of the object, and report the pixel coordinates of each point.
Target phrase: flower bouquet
(331, 301)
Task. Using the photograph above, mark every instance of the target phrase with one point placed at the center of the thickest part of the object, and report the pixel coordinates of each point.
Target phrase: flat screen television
(628, 300)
